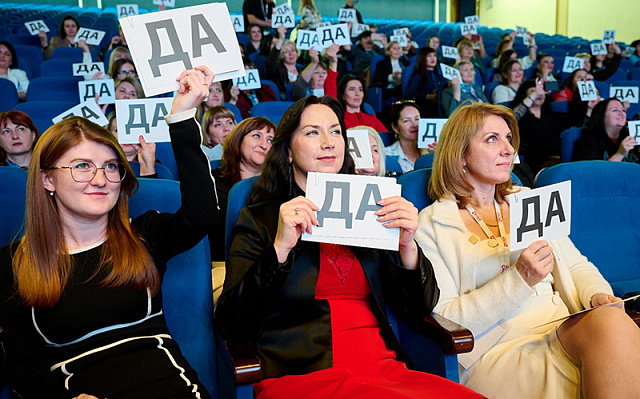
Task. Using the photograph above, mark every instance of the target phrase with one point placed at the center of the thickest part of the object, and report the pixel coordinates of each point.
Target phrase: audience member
(544, 68)
(217, 123)
(351, 93)
(282, 66)
(580, 111)
(512, 300)
(506, 44)
(571, 85)
(310, 17)
(433, 42)
(258, 12)
(424, 83)
(459, 92)
(388, 73)
(9, 69)
(539, 130)
(377, 153)
(143, 152)
(351, 4)
(635, 55)
(607, 135)
(512, 76)
(317, 79)
(405, 121)
(255, 36)
(311, 309)
(123, 68)
(18, 135)
(603, 66)
(66, 38)
(467, 53)
(245, 149)
(362, 53)
(214, 99)
(81, 256)
(246, 99)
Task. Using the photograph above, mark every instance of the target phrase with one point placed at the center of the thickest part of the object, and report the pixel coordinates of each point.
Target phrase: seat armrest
(452, 337)
(245, 361)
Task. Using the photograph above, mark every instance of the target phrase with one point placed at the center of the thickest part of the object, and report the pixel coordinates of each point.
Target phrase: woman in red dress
(315, 312)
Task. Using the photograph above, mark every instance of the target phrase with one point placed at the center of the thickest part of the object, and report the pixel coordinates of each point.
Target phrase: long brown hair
(42, 264)
(448, 178)
(232, 147)
(17, 118)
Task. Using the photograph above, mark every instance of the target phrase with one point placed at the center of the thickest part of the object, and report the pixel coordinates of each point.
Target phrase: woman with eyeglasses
(123, 68)
(80, 292)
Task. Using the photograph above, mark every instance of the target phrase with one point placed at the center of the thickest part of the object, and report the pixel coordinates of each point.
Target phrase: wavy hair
(232, 147)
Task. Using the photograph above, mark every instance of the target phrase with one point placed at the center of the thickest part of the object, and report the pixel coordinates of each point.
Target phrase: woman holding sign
(313, 309)
(66, 38)
(80, 293)
(607, 135)
(461, 91)
(505, 297)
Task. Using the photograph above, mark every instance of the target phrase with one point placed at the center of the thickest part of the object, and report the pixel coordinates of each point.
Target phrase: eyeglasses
(84, 171)
(127, 73)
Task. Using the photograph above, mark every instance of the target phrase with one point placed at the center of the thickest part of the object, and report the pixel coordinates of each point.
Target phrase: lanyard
(493, 242)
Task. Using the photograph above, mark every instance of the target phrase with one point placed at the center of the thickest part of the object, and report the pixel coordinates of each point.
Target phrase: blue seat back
(236, 111)
(272, 110)
(9, 97)
(415, 187)
(41, 112)
(238, 196)
(568, 140)
(273, 86)
(12, 202)
(424, 161)
(162, 171)
(560, 107)
(186, 285)
(604, 222)
(164, 154)
(392, 164)
(54, 89)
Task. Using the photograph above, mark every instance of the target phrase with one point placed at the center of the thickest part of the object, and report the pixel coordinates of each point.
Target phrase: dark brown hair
(232, 147)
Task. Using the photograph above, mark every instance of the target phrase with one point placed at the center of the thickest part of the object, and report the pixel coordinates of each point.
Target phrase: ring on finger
(296, 210)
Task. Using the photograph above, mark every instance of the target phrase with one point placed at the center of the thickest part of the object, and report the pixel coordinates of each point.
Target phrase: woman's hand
(627, 145)
(194, 88)
(146, 156)
(44, 40)
(296, 217)
(82, 44)
(397, 77)
(313, 54)
(535, 262)
(431, 148)
(397, 212)
(603, 299)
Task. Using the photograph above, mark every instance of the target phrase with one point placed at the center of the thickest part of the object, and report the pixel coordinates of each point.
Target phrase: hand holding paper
(605, 299)
(194, 88)
(296, 217)
(397, 212)
(535, 262)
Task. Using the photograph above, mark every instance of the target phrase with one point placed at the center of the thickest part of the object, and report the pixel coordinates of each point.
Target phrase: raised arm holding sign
(163, 44)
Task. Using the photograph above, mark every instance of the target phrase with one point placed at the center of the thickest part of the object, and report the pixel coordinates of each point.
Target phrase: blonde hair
(213, 113)
(448, 179)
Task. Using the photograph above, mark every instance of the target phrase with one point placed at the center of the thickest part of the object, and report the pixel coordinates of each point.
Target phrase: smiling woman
(80, 293)
(309, 307)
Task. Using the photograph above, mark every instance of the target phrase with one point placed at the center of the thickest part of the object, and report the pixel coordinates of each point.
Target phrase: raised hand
(194, 88)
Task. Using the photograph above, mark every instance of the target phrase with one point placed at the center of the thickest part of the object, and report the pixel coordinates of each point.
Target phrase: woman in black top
(80, 292)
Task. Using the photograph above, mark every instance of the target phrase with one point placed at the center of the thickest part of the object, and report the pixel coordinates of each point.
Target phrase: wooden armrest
(635, 316)
(452, 337)
(245, 361)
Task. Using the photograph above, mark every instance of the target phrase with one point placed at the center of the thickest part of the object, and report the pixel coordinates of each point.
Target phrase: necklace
(493, 242)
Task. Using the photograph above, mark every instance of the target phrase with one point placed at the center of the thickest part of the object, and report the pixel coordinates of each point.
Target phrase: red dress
(362, 364)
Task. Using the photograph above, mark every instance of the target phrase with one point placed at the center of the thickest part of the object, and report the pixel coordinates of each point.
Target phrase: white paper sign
(89, 69)
(89, 110)
(307, 39)
(248, 82)
(339, 33)
(360, 148)
(429, 130)
(34, 27)
(634, 130)
(587, 91)
(168, 3)
(598, 48)
(92, 36)
(357, 29)
(469, 28)
(624, 93)
(126, 10)
(522, 32)
(103, 88)
(449, 52)
(401, 32)
(450, 72)
(572, 63)
(238, 22)
(163, 44)
(283, 15)
(143, 117)
(472, 19)
(540, 214)
(609, 36)
(347, 15)
(401, 39)
(347, 203)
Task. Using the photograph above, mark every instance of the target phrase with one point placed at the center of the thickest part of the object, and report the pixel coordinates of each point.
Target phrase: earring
(51, 193)
(464, 170)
